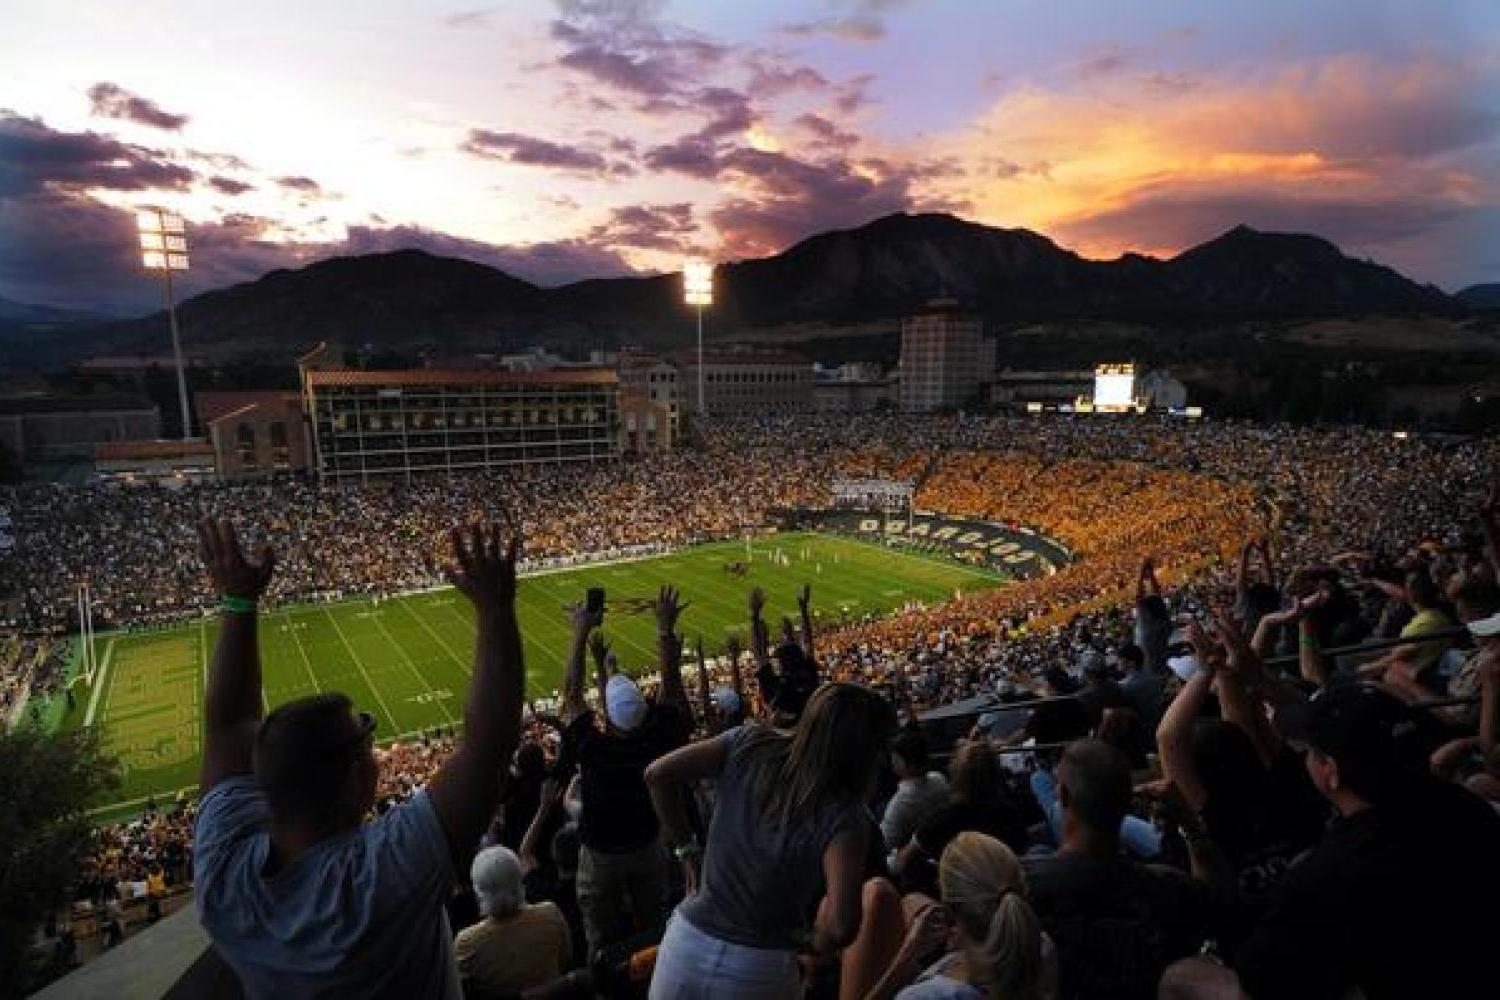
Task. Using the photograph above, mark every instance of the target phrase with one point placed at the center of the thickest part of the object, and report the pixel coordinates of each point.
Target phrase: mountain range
(871, 274)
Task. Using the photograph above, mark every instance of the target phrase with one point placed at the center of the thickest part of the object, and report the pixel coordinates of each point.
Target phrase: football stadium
(856, 500)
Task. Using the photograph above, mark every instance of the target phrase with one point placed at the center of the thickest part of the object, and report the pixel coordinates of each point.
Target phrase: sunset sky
(581, 139)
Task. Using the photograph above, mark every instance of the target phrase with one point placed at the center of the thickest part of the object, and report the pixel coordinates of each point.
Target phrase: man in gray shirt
(301, 896)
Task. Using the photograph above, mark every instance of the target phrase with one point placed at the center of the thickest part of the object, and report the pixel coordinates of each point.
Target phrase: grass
(408, 660)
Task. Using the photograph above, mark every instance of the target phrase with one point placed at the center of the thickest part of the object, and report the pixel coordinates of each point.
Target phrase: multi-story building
(654, 378)
(746, 382)
(40, 428)
(255, 433)
(403, 423)
(945, 358)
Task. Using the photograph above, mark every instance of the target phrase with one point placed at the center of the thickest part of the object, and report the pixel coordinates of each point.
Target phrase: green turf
(408, 660)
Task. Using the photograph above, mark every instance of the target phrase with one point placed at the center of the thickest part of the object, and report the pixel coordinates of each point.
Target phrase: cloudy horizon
(584, 138)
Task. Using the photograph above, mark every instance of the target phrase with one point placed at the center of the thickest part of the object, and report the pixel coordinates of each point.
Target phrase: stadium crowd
(1207, 803)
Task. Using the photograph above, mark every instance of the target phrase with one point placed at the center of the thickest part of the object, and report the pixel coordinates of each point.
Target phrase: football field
(408, 660)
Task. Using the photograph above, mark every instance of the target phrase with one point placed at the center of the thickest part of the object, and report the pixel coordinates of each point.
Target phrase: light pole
(164, 248)
(698, 291)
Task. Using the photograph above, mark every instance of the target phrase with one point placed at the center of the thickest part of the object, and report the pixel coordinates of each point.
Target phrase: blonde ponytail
(983, 885)
(1012, 950)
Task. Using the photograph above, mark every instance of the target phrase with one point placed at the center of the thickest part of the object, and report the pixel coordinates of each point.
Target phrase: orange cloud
(1361, 151)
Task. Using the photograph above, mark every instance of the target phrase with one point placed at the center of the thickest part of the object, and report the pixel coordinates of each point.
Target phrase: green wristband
(238, 605)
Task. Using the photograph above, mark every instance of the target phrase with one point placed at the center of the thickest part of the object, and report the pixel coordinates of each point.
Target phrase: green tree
(47, 785)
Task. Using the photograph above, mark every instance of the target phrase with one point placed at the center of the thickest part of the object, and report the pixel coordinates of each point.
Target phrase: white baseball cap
(1486, 628)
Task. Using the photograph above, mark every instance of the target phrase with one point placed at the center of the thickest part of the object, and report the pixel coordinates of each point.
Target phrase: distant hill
(879, 271)
(1481, 296)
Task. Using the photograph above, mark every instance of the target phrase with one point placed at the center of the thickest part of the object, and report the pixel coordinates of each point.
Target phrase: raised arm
(603, 663)
(1240, 676)
(669, 604)
(732, 650)
(584, 622)
(1147, 585)
(760, 636)
(466, 788)
(804, 607)
(705, 696)
(232, 703)
(1174, 735)
(1242, 572)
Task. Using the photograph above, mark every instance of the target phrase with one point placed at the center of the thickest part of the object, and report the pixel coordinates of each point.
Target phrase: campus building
(401, 423)
(945, 359)
(745, 382)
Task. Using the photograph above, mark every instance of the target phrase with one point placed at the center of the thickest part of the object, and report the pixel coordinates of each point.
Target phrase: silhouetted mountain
(1480, 296)
(879, 271)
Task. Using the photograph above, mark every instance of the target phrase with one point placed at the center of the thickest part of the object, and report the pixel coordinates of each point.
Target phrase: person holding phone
(622, 866)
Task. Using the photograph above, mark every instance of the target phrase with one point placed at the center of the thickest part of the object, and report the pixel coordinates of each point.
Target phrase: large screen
(1114, 385)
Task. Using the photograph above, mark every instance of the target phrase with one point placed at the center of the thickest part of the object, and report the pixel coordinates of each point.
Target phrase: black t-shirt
(1117, 925)
(999, 820)
(617, 812)
(1395, 900)
(1058, 721)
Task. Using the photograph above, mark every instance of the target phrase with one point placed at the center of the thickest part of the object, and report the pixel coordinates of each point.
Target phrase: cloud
(229, 186)
(783, 199)
(305, 185)
(623, 45)
(470, 19)
(512, 147)
(824, 133)
(1107, 61)
(223, 161)
(859, 28)
(110, 100)
(853, 94)
(34, 156)
(769, 80)
(648, 227)
(1368, 152)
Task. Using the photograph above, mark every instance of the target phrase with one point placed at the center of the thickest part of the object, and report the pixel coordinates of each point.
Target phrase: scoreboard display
(1114, 387)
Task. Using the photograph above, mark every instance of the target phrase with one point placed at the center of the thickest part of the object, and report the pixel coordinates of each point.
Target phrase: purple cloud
(110, 100)
(648, 227)
(305, 185)
(512, 147)
(229, 186)
(824, 133)
(861, 28)
(34, 156)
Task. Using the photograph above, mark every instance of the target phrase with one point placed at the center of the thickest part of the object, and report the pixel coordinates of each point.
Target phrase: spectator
(790, 815)
(919, 792)
(1371, 909)
(979, 799)
(300, 896)
(622, 869)
(516, 946)
(999, 948)
(1143, 690)
(1117, 924)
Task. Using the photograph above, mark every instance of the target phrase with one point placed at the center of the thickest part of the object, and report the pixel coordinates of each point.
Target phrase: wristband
(689, 850)
(237, 605)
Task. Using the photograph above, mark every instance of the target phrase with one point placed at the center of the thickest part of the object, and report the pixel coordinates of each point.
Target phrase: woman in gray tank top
(790, 818)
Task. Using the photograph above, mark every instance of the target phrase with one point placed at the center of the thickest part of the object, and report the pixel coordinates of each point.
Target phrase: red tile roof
(482, 376)
(213, 406)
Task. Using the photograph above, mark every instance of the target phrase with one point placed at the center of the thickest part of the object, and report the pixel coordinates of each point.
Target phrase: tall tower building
(944, 357)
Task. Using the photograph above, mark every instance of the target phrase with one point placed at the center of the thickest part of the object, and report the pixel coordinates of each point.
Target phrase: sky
(583, 138)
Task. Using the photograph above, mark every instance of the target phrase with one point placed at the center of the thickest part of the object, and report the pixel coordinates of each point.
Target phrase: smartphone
(595, 602)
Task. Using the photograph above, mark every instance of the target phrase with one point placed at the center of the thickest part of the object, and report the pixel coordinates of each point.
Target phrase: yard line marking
(109, 652)
(411, 665)
(437, 638)
(361, 665)
(287, 616)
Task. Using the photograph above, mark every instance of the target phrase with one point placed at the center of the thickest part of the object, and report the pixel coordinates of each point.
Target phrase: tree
(48, 785)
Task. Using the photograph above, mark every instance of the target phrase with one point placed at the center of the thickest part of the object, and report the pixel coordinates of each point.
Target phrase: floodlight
(152, 241)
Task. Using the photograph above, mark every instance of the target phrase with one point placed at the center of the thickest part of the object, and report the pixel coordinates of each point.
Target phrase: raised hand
(669, 604)
(733, 647)
(757, 601)
(584, 621)
(599, 648)
(484, 565)
(804, 598)
(233, 575)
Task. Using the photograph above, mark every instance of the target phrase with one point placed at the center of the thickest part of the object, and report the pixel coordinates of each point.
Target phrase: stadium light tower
(164, 248)
(698, 291)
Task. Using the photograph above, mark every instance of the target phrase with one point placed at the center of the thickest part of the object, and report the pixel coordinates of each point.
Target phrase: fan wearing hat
(622, 866)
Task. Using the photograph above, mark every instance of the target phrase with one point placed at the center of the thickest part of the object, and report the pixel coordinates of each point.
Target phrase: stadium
(865, 500)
